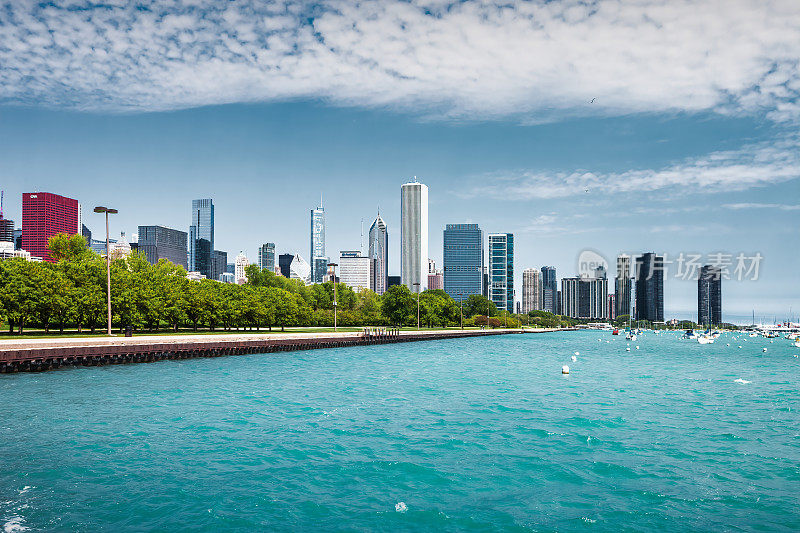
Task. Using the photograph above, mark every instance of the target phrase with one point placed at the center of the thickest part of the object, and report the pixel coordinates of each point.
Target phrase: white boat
(705, 339)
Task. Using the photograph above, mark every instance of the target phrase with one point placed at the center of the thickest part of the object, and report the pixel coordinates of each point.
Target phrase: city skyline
(629, 139)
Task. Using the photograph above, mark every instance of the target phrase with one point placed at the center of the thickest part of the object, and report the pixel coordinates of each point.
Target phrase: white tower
(414, 236)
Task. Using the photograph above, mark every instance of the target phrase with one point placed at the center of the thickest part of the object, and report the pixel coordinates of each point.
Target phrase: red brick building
(45, 214)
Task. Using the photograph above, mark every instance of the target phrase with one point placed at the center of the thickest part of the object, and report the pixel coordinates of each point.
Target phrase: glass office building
(159, 242)
(201, 237)
(463, 260)
(501, 271)
(266, 256)
(550, 299)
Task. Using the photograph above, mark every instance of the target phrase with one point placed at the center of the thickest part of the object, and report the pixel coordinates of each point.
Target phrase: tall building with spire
(318, 244)
(414, 236)
(379, 256)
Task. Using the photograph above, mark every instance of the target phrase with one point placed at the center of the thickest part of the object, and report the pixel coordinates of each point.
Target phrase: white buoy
(740, 346)
(628, 349)
(574, 358)
(728, 344)
(637, 347)
(565, 369)
(401, 507)
(763, 349)
(577, 353)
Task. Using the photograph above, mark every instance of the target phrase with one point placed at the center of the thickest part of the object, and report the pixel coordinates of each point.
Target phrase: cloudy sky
(620, 126)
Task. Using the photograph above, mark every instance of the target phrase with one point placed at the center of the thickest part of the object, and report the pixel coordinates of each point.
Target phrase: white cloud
(752, 166)
(471, 59)
(779, 207)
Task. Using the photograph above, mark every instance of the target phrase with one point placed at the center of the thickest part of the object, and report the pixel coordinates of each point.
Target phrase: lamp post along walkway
(107, 211)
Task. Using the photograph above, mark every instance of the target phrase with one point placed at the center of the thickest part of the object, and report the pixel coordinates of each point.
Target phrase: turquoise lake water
(454, 435)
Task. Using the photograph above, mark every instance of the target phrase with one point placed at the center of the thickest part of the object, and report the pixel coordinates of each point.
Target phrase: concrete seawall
(37, 355)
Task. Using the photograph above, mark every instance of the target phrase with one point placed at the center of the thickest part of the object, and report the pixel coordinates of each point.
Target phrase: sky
(609, 125)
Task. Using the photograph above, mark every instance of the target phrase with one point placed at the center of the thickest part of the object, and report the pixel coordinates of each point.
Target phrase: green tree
(65, 247)
(398, 305)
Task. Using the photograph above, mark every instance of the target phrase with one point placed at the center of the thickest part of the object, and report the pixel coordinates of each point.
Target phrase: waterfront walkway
(49, 353)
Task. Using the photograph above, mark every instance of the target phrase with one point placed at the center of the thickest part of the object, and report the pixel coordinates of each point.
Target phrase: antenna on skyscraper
(320, 200)
(362, 235)
(1, 204)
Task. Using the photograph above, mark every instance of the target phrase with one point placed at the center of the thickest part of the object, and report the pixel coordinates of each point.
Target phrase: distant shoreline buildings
(638, 290)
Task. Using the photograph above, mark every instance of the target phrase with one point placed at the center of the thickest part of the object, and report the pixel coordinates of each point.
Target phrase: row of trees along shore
(71, 294)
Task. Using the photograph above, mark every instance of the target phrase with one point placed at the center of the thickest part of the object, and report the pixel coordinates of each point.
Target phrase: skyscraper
(219, 264)
(414, 236)
(650, 287)
(501, 270)
(622, 286)
(531, 290)
(584, 297)
(379, 256)
(709, 296)
(285, 264)
(240, 276)
(201, 237)
(317, 242)
(158, 242)
(44, 215)
(463, 260)
(6, 230)
(266, 256)
(550, 299)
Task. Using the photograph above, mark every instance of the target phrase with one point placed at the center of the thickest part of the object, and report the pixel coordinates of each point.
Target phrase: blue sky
(691, 143)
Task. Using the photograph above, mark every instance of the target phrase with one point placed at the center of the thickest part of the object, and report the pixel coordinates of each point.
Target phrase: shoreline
(37, 355)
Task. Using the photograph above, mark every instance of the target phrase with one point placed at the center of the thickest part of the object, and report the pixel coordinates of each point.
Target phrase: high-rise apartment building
(201, 237)
(709, 296)
(550, 298)
(379, 256)
(414, 236)
(266, 256)
(44, 215)
(622, 286)
(354, 269)
(240, 276)
(463, 260)
(317, 243)
(585, 297)
(159, 242)
(531, 290)
(501, 270)
(650, 287)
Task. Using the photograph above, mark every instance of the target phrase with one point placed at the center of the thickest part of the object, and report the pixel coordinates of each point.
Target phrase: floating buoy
(401, 507)
(577, 353)
(628, 349)
(740, 346)
(565, 369)
(763, 349)
(574, 358)
(728, 344)
(637, 347)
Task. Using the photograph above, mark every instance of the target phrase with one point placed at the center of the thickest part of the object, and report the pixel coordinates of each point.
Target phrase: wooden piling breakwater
(38, 359)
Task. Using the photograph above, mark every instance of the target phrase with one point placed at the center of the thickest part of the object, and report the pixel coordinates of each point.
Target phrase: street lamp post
(461, 307)
(416, 287)
(107, 211)
(332, 270)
